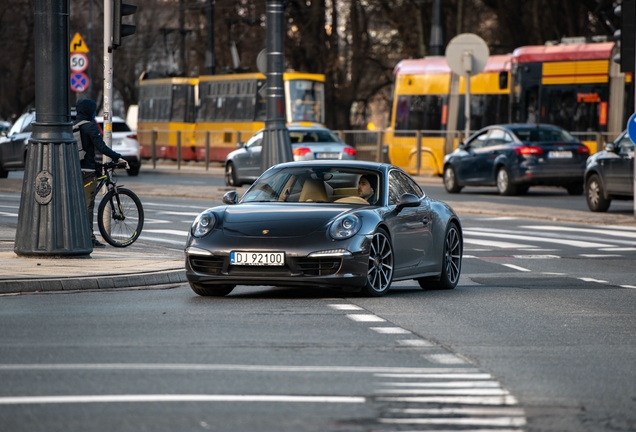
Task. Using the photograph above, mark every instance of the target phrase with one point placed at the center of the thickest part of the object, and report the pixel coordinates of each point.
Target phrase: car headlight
(203, 224)
(345, 226)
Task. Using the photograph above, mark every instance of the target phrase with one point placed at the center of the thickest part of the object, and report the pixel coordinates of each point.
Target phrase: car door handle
(425, 220)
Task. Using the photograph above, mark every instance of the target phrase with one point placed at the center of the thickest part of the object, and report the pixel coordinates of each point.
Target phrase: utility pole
(182, 34)
(276, 142)
(210, 58)
(437, 33)
(52, 219)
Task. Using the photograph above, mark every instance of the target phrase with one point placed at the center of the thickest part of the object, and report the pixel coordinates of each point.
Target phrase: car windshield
(540, 134)
(117, 126)
(314, 184)
(313, 136)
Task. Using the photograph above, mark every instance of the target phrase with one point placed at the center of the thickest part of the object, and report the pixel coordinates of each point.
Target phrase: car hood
(279, 220)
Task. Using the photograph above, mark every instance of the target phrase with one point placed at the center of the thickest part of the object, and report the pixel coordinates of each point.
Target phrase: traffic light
(120, 10)
(625, 36)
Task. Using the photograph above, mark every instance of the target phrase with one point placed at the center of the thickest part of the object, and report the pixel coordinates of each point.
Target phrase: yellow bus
(428, 102)
(166, 115)
(223, 110)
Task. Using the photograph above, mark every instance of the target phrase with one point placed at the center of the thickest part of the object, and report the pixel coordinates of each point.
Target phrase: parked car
(14, 146)
(610, 174)
(308, 143)
(304, 224)
(514, 157)
(125, 143)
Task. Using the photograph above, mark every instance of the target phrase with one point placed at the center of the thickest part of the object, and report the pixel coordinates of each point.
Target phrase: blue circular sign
(79, 82)
(631, 128)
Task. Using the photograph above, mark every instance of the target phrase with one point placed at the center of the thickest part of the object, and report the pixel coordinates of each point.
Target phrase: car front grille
(208, 265)
(319, 266)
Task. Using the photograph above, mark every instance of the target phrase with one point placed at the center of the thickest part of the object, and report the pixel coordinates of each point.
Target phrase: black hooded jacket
(90, 134)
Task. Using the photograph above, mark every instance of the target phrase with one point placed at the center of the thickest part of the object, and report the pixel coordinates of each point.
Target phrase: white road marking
(561, 241)
(365, 318)
(162, 240)
(447, 392)
(585, 279)
(22, 400)
(494, 421)
(440, 375)
(8, 214)
(344, 307)
(444, 358)
(445, 384)
(483, 411)
(600, 255)
(163, 205)
(536, 256)
(516, 267)
(156, 221)
(178, 213)
(415, 342)
(627, 286)
(618, 249)
(231, 368)
(464, 400)
(390, 330)
(497, 244)
(554, 274)
(582, 230)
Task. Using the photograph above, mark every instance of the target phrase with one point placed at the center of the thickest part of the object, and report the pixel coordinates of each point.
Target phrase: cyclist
(91, 140)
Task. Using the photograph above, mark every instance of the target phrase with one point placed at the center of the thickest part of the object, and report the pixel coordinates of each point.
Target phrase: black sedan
(514, 157)
(610, 174)
(353, 225)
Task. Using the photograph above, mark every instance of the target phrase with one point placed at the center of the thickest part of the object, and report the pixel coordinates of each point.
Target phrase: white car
(125, 143)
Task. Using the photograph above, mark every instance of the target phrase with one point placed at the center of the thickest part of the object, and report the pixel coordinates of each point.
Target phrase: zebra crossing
(446, 393)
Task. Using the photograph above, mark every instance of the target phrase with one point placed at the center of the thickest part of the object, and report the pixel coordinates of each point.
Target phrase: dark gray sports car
(348, 224)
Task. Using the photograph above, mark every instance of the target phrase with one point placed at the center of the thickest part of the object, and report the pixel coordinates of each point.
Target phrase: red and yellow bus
(577, 87)
(224, 110)
(428, 102)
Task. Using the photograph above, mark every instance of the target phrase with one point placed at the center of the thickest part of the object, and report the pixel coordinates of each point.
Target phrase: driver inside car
(366, 187)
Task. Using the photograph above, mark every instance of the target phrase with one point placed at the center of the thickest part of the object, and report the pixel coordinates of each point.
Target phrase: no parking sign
(79, 82)
(631, 128)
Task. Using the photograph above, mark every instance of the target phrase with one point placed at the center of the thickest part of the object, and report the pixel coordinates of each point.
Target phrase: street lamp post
(52, 219)
(276, 143)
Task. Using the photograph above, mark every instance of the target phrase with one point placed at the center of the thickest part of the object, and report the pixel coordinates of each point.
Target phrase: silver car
(125, 143)
(308, 143)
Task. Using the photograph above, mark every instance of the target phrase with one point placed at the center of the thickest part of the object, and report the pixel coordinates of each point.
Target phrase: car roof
(357, 164)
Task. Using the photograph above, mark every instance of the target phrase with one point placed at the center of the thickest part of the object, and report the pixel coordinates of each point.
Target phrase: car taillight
(350, 151)
(301, 151)
(583, 150)
(527, 150)
(132, 136)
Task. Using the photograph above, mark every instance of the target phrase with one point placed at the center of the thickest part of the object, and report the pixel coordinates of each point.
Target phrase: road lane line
(167, 231)
(344, 307)
(627, 286)
(390, 330)
(561, 241)
(26, 400)
(494, 421)
(365, 318)
(440, 375)
(444, 358)
(497, 244)
(581, 230)
(480, 411)
(586, 279)
(445, 384)
(463, 400)
(446, 392)
(516, 267)
(415, 342)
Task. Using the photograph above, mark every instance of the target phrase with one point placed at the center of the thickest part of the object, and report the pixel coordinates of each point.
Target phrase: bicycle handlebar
(111, 165)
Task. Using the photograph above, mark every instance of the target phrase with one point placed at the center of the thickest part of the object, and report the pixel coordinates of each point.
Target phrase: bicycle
(120, 215)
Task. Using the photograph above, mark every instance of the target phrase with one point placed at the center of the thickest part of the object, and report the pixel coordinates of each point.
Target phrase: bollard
(378, 156)
(178, 150)
(207, 150)
(153, 143)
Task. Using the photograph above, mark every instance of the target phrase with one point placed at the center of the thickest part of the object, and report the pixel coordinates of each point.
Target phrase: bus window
(179, 99)
(485, 110)
(419, 113)
(306, 99)
(575, 108)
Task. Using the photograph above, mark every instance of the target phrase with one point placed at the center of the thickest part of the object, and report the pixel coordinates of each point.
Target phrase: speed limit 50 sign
(79, 62)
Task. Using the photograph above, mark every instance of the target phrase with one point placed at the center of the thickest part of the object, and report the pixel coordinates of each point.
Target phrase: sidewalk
(135, 266)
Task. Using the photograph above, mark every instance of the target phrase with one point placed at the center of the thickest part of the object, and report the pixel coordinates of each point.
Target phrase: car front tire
(595, 196)
(380, 272)
(211, 290)
(231, 178)
(451, 262)
(450, 180)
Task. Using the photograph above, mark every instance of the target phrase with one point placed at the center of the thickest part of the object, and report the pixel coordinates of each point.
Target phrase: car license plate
(559, 154)
(327, 155)
(257, 258)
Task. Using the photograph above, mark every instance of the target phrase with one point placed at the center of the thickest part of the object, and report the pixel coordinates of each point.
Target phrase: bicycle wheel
(125, 216)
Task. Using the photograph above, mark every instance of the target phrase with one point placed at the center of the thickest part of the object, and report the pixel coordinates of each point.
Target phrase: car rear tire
(231, 178)
(595, 196)
(380, 272)
(575, 189)
(450, 180)
(504, 185)
(451, 262)
(211, 290)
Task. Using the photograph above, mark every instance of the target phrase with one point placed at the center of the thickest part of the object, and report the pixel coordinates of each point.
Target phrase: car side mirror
(461, 146)
(408, 200)
(240, 144)
(230, 198)
(609, 147)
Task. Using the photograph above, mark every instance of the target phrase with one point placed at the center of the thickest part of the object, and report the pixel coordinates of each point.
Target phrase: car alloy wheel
(451, 262)
(503, 182)
(594, 195)
(380, 273)
(450, 180)
(230, 175)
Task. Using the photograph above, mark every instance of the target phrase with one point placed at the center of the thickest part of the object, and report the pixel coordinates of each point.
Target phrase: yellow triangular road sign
(78, 44)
